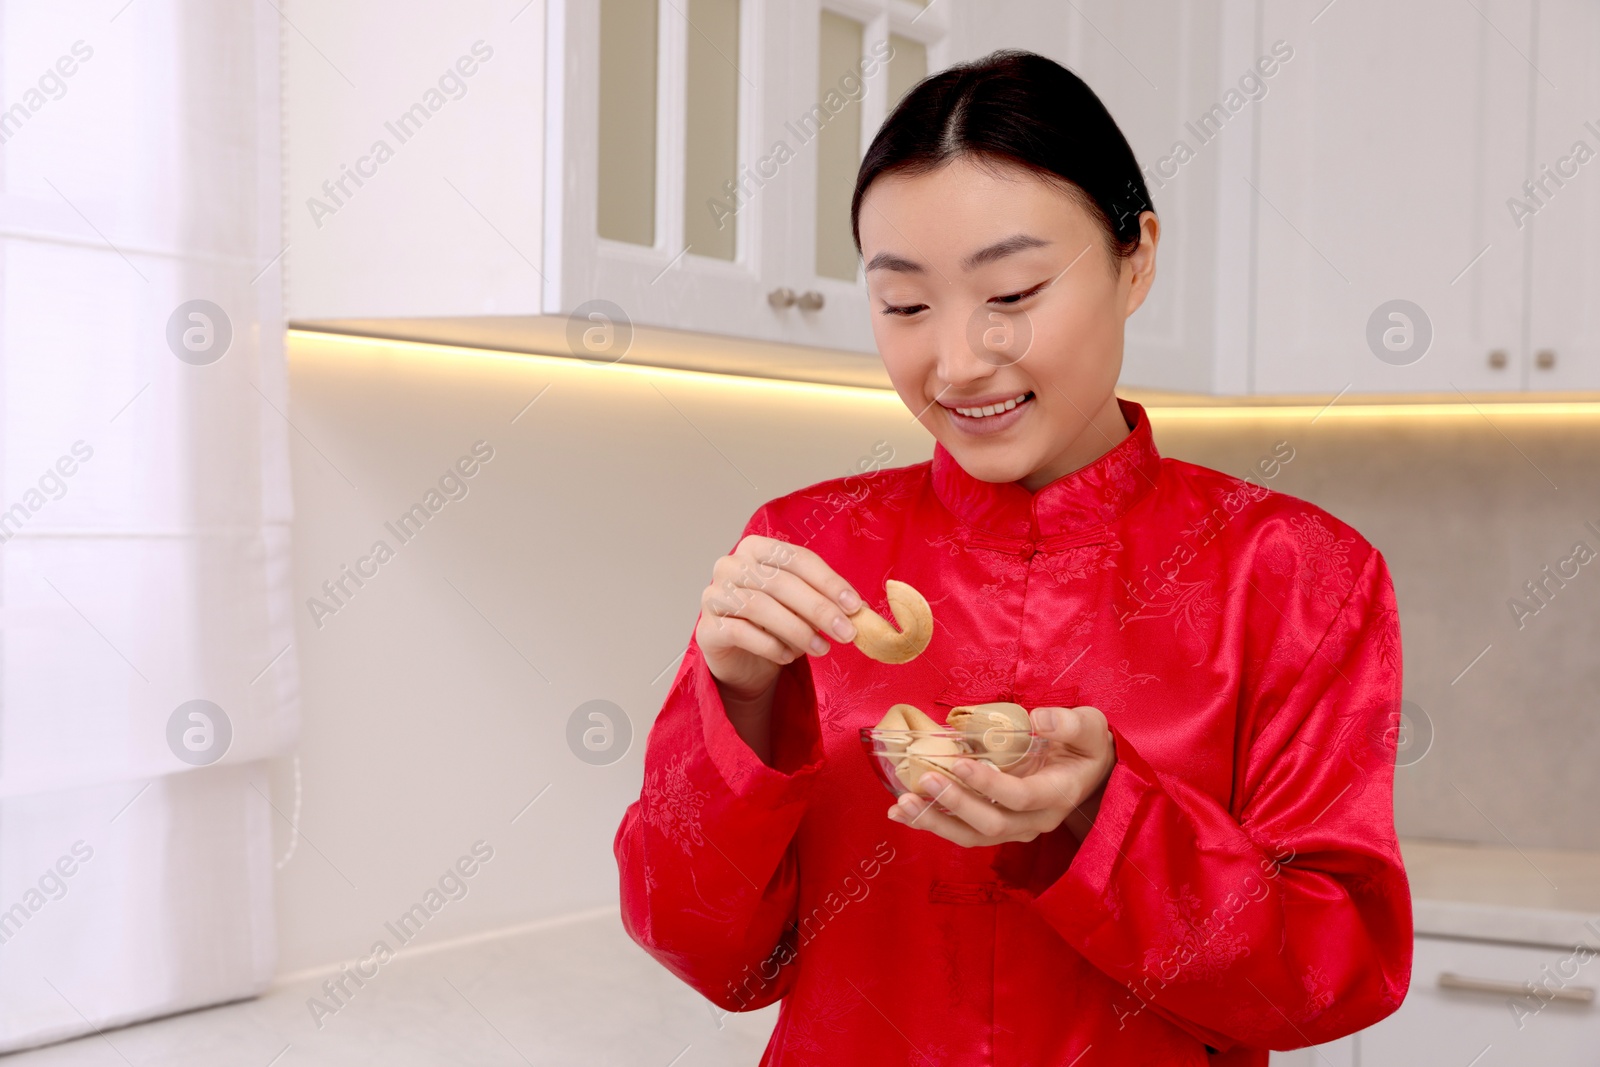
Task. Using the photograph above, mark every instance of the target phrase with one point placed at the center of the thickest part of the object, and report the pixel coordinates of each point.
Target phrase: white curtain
(144, 507)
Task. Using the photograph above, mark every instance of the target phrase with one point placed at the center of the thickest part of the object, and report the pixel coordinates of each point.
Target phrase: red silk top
(1241, 888)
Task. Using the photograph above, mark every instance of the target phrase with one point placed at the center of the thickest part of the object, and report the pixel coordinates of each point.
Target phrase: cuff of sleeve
(1079, 902)
(796, 736)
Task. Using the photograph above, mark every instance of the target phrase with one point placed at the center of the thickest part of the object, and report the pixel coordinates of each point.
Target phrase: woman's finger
(1008, 790)
(989, 820)
(777, 620)
(746, 635)
(1082, 729)
(800, 597)
(806, 564)
(948, 822)
(930, 818)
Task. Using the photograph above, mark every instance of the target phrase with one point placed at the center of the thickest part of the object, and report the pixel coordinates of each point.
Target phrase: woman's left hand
(1066, 788)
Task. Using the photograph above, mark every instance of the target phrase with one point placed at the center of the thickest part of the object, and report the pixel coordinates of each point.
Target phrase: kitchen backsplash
(1491, 527)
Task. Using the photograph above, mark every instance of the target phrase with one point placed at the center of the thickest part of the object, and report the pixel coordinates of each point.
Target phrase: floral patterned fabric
(1241, 889)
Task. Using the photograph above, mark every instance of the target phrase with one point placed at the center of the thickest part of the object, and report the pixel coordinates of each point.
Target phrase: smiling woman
(1059, 248)
(1204, 866)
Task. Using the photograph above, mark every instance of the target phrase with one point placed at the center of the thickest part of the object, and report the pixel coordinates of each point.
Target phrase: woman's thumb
(1052, 721)
(1076, 726)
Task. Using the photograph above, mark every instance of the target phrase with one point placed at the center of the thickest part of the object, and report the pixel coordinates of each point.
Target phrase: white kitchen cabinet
(1162, 68)
(701, 154)
(1391, 168)
(1385, 161)
(1470, 1004)
(1466, 1001)
(1562, 345)
(1376, 159)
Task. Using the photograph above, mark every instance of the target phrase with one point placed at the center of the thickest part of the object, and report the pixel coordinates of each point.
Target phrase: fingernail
(1045, 718)
(849, 601)
(932, 784)
(819, 646)
(842, 627)
(964, 768)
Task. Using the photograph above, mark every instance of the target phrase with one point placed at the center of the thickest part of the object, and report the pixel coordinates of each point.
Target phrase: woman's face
(990, 284)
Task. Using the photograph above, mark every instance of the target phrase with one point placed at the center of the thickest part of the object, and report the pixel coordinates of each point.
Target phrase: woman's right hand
(769, 603)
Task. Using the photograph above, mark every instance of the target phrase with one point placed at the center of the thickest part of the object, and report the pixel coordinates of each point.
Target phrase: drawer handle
(1578, 994)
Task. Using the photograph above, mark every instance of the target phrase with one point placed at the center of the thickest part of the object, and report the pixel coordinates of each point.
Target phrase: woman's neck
(1104, 431)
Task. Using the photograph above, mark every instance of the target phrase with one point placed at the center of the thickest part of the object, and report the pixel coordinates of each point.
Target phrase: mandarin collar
(1089, 498)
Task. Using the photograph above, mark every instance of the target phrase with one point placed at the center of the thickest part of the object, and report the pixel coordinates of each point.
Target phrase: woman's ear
(1139, 269)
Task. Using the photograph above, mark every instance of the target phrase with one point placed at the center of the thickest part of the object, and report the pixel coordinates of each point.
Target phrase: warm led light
(1157, 410)
(569, 363)
(1367, 410)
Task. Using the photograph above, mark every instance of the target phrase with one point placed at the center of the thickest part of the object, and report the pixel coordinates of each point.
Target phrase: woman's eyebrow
(1017, 242)
(891, 261)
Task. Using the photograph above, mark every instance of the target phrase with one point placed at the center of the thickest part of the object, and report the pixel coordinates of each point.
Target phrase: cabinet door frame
(667, 284)
(663, 284)
(845, 319)
(1561, 313)
(1194, 334)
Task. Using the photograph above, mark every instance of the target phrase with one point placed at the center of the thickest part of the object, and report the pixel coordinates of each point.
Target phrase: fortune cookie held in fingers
(876, 638)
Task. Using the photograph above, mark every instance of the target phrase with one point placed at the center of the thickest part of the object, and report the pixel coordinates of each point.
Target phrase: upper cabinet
(1185, 80)
(1391, 198)
(1359, 198)
(701, 154)
(1426, 223)
(1383, 261)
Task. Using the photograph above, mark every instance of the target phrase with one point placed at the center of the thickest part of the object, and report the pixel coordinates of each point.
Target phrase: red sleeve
(708, 872)
(1286, 921)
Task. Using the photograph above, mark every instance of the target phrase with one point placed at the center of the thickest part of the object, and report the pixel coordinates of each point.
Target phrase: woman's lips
(988, 424)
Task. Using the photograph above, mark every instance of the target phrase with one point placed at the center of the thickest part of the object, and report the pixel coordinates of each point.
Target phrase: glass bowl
(888, 751)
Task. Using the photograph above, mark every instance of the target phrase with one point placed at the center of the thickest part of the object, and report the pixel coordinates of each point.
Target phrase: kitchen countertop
(1529, 896)
(550, 994)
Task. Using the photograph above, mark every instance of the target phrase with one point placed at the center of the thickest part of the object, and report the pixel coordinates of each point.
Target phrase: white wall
(450, 224)
(437, 697)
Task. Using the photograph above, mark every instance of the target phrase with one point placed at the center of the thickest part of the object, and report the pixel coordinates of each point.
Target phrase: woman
(1206, 866)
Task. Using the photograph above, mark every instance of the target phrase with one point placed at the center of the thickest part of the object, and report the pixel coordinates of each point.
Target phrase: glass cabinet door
(655, 113)
(860, 57)
(701, 156)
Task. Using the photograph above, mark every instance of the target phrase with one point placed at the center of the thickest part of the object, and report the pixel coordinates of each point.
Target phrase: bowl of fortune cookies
(907, 743)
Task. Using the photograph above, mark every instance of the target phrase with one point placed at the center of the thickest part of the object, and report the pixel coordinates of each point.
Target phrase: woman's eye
(904, 309)
(1015, 297)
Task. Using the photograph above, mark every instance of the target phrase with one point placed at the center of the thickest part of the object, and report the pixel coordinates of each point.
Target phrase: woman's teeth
(993, 409)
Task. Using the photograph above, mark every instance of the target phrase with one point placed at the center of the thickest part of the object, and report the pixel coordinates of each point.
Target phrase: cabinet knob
(810, 300)
(1545, 358)
(1497, 359)
(781, 298)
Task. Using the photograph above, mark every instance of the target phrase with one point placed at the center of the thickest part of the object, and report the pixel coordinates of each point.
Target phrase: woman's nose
(973, 346)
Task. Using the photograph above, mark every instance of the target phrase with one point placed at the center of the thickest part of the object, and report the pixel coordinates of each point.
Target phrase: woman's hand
(1066, 789)
(768, 604)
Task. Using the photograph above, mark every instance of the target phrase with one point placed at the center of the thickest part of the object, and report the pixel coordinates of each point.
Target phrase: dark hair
(1017, 107)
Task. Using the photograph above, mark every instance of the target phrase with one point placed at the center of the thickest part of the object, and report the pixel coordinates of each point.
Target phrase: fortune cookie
(923, 754)
(876, 638)
(993, 729)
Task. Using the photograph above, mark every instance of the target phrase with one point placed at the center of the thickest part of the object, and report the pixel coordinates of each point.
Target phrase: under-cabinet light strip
(1266, 410)
(431, 348)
